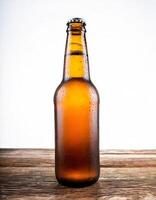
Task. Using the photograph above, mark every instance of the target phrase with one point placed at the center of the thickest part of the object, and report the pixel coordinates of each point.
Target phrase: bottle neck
(76, 64)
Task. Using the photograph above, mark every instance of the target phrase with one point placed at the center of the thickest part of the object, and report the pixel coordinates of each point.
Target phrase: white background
(121, 36)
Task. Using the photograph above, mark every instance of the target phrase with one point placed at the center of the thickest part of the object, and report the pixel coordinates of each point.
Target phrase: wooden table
(28, 174)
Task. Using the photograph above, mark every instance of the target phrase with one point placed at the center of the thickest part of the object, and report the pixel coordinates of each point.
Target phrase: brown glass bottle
(76, 103)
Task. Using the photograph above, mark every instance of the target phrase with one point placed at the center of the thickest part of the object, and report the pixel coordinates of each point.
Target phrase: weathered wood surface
(28, 174)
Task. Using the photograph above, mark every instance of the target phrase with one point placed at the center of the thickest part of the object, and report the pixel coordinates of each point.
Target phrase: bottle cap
(77, 20)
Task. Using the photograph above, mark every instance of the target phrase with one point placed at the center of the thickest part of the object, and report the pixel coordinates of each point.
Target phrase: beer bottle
(76, 104)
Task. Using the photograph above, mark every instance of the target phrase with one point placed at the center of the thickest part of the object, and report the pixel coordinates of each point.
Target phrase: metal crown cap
(77, 20)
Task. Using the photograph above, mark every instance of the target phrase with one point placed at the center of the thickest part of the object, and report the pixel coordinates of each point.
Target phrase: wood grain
(28, 174)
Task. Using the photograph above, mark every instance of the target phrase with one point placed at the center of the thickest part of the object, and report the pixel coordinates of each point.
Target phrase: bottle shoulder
(76, 87)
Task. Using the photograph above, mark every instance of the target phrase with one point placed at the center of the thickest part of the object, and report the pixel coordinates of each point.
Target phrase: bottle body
(76, 104)
(77, 133)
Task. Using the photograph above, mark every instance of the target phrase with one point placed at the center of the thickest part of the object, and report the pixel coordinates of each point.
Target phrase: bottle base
(77, 184)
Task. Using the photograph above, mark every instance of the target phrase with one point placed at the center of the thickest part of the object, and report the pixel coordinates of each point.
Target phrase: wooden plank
(105, 174)
(26, 157)
(124, 175)
(108, 158)
(38, 181)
